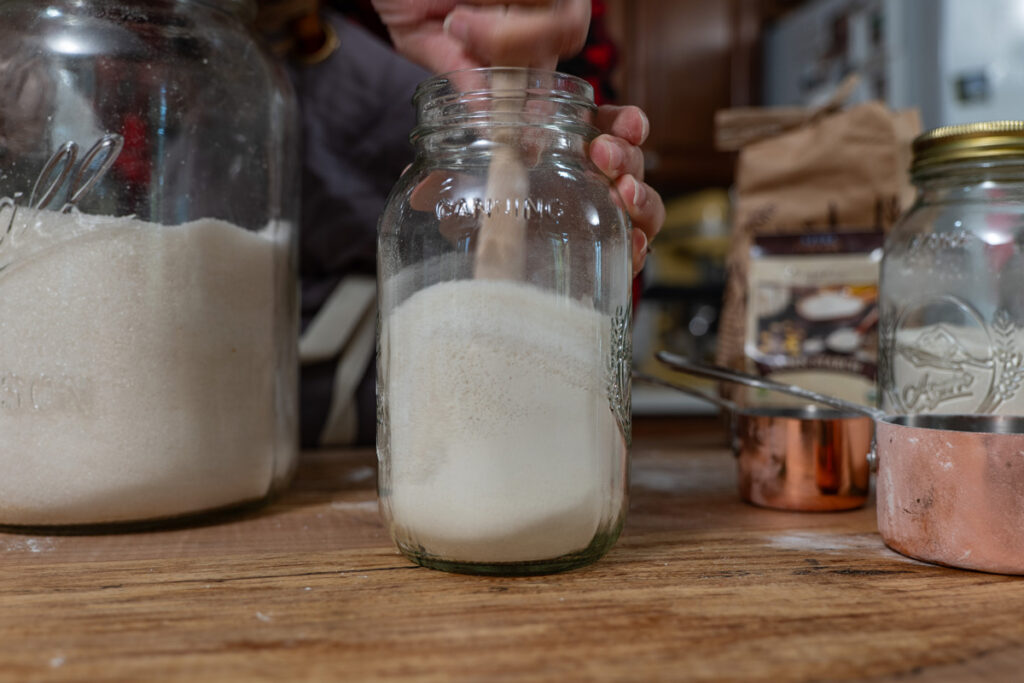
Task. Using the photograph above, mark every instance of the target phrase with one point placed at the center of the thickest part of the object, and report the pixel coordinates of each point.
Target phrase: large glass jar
(504, 340)
(951, 325)
(147, 296)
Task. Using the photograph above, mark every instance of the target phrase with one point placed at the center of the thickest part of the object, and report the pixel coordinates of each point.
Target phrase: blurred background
(954, 60)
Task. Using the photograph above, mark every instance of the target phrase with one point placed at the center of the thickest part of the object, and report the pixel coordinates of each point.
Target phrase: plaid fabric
(598, 58)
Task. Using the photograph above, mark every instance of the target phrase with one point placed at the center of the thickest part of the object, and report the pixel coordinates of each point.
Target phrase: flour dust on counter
(501, 436)
(136, 367)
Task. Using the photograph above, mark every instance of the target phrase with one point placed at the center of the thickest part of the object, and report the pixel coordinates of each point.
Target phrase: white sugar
(503, 445)
(136, 368)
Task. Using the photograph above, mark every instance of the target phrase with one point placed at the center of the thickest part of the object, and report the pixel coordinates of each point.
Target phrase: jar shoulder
(999, 219)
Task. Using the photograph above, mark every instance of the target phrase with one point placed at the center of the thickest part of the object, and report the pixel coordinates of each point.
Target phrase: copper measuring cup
(950, 488)
(805, 458)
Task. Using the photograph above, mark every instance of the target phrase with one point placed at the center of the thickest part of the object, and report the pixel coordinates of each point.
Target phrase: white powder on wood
(136, 368)
(503, 446)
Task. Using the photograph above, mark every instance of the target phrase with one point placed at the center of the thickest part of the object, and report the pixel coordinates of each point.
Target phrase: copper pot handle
(718, 401)
(721, 374)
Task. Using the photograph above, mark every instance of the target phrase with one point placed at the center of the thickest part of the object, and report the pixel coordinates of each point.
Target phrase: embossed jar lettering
(550, 210)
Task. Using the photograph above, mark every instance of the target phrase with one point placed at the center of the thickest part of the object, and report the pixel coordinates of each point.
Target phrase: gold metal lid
(987, 141)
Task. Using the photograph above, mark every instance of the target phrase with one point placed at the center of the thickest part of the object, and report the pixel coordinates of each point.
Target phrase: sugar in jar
(504, 341)
(147, 306)
(951, 328)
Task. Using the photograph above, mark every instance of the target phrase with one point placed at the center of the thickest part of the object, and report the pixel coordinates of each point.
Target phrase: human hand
(617, 153)
(447, 35)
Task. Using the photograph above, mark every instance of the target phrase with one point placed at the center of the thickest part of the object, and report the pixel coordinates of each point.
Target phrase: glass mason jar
(951, 326)
(147, 288)
(504, 331)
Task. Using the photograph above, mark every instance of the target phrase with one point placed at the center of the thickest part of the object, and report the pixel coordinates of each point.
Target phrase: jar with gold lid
(951, 331)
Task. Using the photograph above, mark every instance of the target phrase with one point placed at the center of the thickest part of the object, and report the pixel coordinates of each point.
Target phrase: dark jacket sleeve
(356, 109)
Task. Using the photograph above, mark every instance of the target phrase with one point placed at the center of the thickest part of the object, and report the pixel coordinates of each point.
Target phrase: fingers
(643, 204)
(640, 250)
(629, 123)
(647, 213)
(617, 153)
(430, 47)
(534, 34)
(616, 157)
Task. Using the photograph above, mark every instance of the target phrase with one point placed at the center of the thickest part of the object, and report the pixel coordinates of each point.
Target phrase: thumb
(520, 36)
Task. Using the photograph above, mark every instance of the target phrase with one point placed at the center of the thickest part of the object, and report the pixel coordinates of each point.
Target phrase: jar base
(601, 544)
(195, 518)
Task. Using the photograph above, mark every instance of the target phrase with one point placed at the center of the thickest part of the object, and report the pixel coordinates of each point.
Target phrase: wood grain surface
(699, 587)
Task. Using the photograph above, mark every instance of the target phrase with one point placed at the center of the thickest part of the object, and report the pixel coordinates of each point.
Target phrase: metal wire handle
(726, 375)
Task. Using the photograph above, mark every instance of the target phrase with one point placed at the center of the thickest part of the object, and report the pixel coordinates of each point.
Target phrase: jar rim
(462, 98)
(535, 79)
(986, 141)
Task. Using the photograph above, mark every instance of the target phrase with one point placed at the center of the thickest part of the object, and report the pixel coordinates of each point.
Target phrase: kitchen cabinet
(681, 61)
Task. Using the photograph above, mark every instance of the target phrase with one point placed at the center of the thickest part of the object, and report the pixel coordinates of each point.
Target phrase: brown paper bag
(809, 171)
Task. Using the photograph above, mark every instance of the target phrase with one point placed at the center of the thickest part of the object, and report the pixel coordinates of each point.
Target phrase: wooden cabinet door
(681, 61)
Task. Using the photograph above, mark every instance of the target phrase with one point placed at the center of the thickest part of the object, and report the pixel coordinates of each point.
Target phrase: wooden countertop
(699, 587)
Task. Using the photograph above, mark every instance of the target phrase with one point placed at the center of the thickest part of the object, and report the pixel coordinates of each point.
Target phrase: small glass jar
(147, 291)
(951, 326)
(504, 331)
